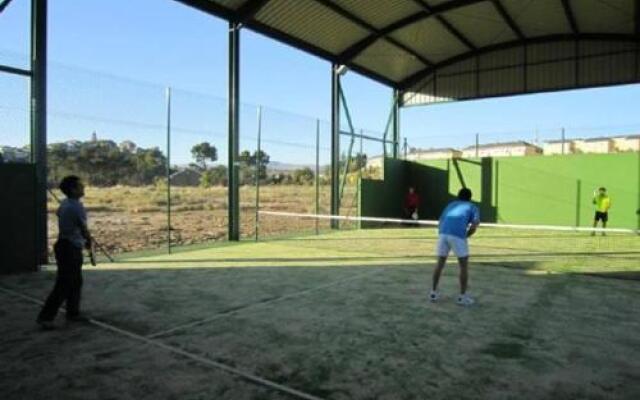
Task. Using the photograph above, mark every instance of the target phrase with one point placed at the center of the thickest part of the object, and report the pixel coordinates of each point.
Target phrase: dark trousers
(68, 282)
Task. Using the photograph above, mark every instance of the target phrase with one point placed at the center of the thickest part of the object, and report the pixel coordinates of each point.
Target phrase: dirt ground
(133, 219)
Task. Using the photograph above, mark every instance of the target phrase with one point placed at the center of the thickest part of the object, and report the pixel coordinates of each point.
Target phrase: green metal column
(234, 131)
(39, 120)
(335, 144)
(396, 124)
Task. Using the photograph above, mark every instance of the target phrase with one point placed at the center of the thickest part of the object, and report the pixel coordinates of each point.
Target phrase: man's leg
(604, 225)
(437, 272)
(464, 274)
(60, 289)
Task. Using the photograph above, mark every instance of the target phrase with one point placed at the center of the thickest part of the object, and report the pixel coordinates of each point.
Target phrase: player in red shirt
(411, 203)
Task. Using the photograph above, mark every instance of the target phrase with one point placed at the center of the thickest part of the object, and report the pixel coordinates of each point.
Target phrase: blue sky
(111, 60)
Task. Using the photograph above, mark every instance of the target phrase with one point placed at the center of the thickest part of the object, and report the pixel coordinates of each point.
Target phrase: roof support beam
(637, 18)
(447, 25)
(4, 4)
(418, 76)
(568, 11)
(210, 8)
(249, 10)
(508, 19)
(358, 47)
(375, 32)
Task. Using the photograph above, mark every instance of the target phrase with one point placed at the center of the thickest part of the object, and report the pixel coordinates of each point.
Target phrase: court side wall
(385, 198)
(554, 190)
(17, 204)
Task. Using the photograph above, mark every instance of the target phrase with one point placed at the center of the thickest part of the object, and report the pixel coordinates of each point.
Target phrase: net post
(578, 200)
(258, 168)
(358, 193)
(168, 168)
(317, 175)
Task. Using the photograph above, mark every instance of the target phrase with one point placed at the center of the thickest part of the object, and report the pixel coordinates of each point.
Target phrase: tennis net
(536, 247)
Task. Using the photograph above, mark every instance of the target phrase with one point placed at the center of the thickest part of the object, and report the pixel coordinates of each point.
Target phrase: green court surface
(339, 316)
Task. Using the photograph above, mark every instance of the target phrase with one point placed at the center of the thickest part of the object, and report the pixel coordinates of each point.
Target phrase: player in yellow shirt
(602, 201)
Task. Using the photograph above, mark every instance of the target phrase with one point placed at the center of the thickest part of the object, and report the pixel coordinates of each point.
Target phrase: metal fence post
(168, 167)
(258, 168)
(317, 175)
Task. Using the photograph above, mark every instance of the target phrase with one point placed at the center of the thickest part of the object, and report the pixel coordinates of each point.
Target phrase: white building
(506, 149)
(627, 143)
(560, 147)
(595, 145)
(434, 154)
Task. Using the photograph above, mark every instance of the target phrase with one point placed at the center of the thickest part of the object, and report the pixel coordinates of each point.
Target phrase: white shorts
(446, 243)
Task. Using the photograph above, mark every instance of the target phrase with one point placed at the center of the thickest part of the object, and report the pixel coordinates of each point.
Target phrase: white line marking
(175, 350)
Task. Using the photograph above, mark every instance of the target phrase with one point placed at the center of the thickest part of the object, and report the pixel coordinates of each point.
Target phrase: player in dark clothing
(72, 237)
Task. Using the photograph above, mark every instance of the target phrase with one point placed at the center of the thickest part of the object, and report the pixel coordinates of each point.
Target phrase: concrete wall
(554, 190)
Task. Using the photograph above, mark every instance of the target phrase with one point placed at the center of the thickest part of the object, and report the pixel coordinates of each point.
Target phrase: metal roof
(443, 50)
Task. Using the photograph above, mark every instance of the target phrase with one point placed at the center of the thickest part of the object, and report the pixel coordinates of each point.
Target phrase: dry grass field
(129, 219)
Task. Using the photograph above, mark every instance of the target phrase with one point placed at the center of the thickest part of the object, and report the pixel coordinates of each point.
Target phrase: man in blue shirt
(458, 221)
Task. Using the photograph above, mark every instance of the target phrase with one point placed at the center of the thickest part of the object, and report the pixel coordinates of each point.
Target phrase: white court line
(435, 223)
(255, 305)
(175, 350)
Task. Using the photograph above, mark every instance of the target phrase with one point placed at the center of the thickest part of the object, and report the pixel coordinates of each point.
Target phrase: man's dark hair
(464, 194)
(69, 183)
(603, 189)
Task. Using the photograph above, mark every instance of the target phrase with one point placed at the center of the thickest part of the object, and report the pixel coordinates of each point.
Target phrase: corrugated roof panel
(502, 58)
(456, 86)
(604, 16)
(232, 4)
(391, 61)
(537, 53)
(481, 24)
(607, 63)
(313, 23)
(430, 39)
(501, 82)
(539, 17)
(553, 76)
(380, 13)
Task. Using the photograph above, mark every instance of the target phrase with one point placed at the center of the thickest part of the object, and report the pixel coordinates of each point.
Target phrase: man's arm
(475, 221)
(472, 229)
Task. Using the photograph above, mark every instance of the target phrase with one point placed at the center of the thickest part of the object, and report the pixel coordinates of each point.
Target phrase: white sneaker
(434, 296)
(465, 300)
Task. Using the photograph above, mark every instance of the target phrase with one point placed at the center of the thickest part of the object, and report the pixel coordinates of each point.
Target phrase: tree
(202, 152)
(303, 176)
(216, 176)
(248, 165)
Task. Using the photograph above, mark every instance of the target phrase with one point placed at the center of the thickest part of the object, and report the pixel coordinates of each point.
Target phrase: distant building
(128, 146)
(506, 149)
(185, 177)
(375, 162)
(94, 137)
(627, 143)
(595, 145)
(10, 154)
(559, 147)
(434, 154)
